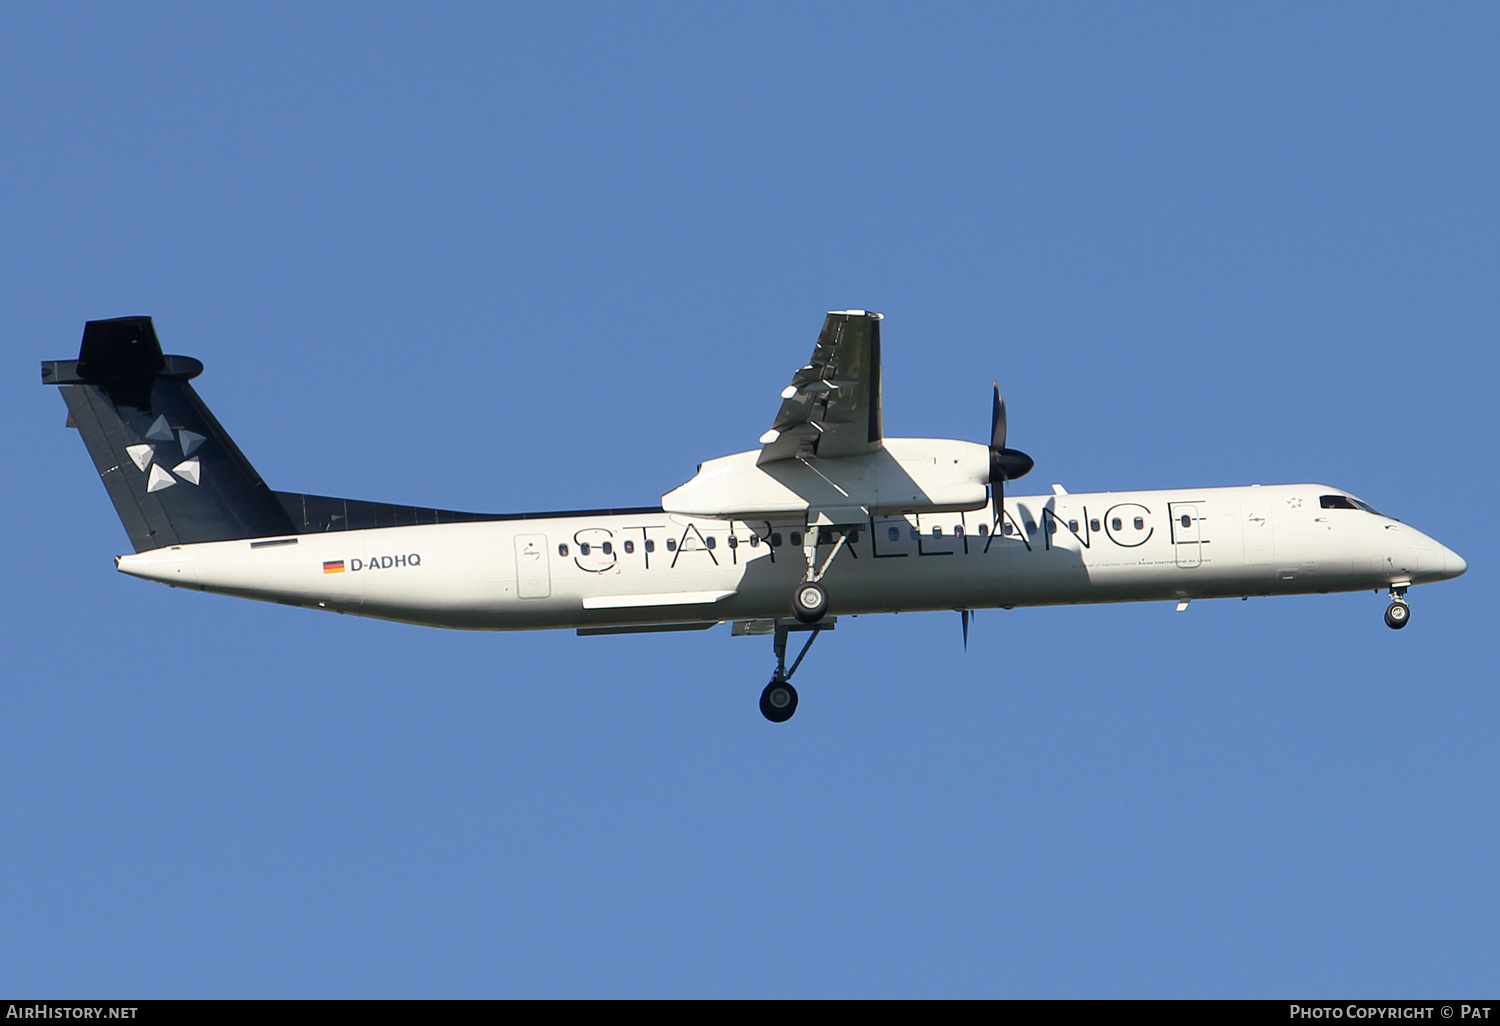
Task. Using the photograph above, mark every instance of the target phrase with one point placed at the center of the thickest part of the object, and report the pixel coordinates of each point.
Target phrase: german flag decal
(334, 567)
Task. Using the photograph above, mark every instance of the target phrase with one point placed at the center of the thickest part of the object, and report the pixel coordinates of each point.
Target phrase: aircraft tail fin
(173, 473)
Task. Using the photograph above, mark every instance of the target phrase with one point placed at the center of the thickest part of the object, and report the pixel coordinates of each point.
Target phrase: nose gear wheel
(1397, 615)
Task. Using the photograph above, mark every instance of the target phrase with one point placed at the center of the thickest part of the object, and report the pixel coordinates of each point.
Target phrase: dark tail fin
(173, 473)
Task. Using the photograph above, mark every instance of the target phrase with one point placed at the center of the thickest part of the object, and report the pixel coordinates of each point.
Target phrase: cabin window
(755, 541)
(775, 539)
(1094, 524)
(1073, 526)
(1336, 502)
(1030, 527)
(709, 541)
(893, 533)
(796, 537)
(562, 550)
(671, 545)
(583, 548)
(958, 532)
(650, 545)
(937, 532)
(1051, 526)
(607, 549)
(915, 534)
(1187, 520)
(1140, 523)
(629, 547)
(734, 542)
(854, 536)
(1009, 529)
(983, 530)
(1116, 523)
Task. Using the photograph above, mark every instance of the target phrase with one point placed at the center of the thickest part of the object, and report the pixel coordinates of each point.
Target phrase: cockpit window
(1346, 502)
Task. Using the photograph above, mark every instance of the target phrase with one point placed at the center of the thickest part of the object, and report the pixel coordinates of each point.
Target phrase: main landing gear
(809, 605)
(779, 700)
(1398, 613)
(809, 600)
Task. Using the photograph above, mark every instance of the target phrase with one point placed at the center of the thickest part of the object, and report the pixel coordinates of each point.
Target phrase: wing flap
(832, 407)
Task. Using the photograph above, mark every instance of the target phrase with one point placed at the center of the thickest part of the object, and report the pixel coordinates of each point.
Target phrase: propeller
(1005, 464)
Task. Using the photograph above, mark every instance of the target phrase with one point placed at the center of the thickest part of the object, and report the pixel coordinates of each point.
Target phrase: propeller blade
(997, 420)
(964, 617)
(1005, 464)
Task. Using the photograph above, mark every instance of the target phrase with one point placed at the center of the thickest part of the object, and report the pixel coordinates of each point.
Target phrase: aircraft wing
(832, 407)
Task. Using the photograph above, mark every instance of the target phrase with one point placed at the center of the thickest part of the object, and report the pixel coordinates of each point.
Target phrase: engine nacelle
(907, 475)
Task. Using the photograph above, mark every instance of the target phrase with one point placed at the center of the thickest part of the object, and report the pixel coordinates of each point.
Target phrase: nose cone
(1453, 564)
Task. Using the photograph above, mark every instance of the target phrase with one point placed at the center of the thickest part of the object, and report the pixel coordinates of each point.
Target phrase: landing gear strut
(1398, 613)
(779, 700)
(809, 600)
(809, 604)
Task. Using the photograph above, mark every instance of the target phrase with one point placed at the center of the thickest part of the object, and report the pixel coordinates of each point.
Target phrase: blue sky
(496, 258)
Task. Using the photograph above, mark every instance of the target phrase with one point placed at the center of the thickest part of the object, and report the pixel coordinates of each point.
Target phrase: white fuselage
(597, 570)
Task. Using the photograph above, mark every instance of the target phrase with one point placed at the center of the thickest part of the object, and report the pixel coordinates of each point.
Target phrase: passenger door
(1255, 523)
(533, 576)
(1187, 533)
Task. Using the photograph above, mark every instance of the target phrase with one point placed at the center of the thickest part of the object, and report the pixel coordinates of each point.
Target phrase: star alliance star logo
(1295, 503)
(148, 458)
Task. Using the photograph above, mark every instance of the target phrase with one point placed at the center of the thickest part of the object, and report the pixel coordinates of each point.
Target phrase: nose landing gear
(1398, 613)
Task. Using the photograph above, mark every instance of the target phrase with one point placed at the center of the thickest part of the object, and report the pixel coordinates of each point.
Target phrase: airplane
(828, 516)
